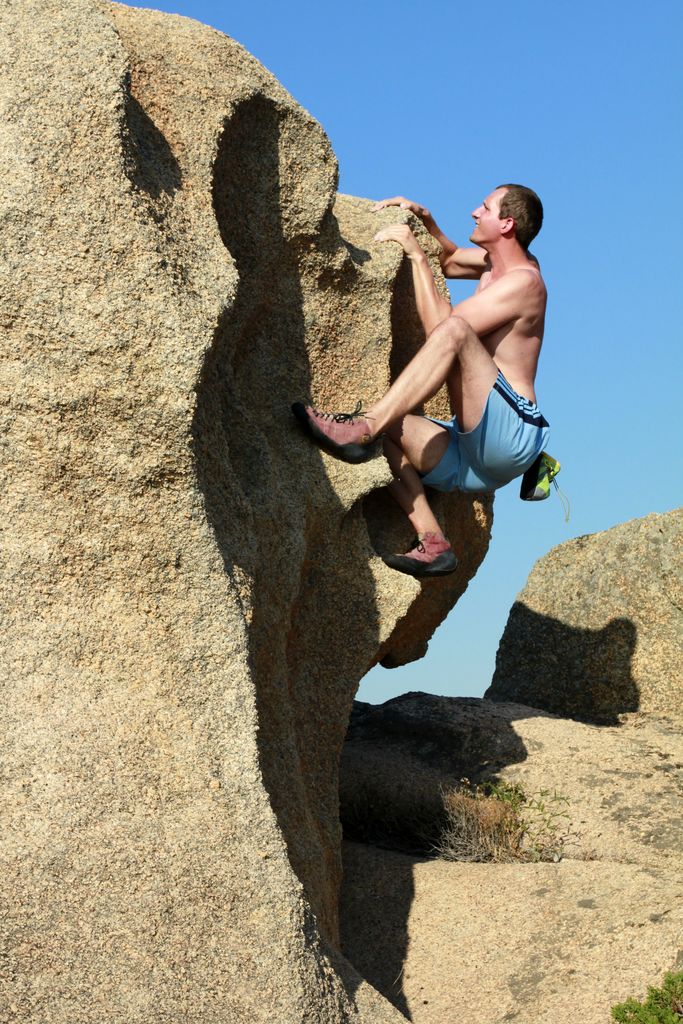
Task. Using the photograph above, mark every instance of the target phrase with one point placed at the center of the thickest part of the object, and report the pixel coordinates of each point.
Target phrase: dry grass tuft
(499, 822)
(480, 828)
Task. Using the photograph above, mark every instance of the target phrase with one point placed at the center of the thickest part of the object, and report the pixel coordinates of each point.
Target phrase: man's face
(487, 219)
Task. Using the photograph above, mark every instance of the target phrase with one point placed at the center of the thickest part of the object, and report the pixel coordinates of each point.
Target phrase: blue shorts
(505, 442)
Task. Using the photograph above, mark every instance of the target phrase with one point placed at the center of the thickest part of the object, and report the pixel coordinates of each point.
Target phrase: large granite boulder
(598, 628)
(190, 590)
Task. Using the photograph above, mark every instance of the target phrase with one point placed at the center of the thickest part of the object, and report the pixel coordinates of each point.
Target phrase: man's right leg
(426, 442)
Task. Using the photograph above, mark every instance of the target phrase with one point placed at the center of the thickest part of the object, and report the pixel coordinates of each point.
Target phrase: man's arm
(456, 262)
(500, 303)
(432, 308)
(465, 264)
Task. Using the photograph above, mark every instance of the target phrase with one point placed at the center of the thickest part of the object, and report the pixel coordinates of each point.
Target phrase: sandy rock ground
(548, 942)
(531, 943)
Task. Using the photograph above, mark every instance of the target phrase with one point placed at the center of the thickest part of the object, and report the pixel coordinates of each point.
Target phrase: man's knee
(460, 328)
(453, 333)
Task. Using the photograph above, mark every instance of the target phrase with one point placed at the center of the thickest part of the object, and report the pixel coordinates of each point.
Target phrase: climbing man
(485, 349)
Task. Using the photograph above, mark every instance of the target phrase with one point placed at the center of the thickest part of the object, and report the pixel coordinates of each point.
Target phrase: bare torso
(515, 347)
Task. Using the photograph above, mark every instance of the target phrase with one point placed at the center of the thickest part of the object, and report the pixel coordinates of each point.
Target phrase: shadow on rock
(579, 673)
(397, 758)
(151, 164)
(399, 755)
(374, 932)
(269, 500)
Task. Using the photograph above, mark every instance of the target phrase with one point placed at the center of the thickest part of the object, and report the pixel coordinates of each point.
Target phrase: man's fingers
(393, 233)
(394, 201)
(403, 204)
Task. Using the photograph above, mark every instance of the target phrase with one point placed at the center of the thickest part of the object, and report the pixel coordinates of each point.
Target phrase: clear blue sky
(441, 101)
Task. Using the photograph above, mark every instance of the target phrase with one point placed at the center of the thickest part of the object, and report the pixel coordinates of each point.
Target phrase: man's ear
(507, 226)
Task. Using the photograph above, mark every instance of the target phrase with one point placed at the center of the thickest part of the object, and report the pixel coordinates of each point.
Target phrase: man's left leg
(453, 353)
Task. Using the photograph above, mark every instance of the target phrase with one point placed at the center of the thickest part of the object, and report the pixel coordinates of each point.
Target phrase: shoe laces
(343, 417)
(417, 543)
(563, 499)
(552, 468)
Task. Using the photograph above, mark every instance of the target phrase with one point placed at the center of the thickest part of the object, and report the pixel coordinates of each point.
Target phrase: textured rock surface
(489, 943)
(509, 943)
(598, 628)
(190, 591)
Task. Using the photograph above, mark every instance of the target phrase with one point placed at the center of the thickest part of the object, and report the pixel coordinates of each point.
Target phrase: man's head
(509, 211)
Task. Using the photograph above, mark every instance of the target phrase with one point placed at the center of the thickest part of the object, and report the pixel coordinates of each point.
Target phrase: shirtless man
(485, 349)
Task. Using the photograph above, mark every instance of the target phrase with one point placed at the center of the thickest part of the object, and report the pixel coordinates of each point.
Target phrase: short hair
(525, 208)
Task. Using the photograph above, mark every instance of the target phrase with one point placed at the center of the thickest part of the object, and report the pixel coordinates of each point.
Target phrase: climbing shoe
(537, 479)
(344, 434)
(429, 555)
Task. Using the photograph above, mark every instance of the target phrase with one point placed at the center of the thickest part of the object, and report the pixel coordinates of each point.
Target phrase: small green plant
(546, 825)
(499, 822)
(663, 1005)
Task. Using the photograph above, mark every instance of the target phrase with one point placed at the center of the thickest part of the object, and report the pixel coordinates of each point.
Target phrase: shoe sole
(443, 565)
(353, 453)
